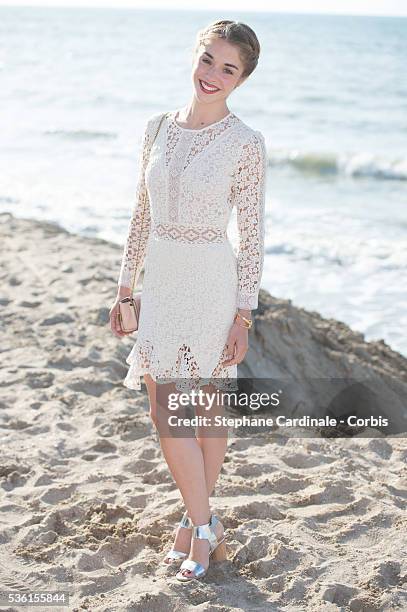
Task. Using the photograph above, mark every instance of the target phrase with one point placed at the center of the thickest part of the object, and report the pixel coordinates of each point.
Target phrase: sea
(329, 94)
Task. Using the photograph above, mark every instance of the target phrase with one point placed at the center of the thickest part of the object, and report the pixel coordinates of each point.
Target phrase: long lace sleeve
(248, 193)
(140, 221)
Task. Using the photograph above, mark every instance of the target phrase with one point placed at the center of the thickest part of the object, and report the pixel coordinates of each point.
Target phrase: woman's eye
(208, 62)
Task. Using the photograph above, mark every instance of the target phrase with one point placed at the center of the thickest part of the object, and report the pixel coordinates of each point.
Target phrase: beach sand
(88, 505)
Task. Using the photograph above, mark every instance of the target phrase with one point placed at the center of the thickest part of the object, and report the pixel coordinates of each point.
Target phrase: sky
(355, 7)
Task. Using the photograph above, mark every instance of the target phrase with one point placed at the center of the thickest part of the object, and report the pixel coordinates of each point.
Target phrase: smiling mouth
(207, 87)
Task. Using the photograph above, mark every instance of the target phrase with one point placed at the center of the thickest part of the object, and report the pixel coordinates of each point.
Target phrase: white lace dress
(193, 280)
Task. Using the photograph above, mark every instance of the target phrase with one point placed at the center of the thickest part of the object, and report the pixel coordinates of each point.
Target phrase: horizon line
(202, 10)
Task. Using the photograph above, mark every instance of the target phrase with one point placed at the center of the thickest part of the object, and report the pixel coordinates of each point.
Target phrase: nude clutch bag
(129, 312)
(129, 306)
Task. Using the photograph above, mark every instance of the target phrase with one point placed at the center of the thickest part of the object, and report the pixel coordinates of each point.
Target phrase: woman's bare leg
(185, 460)
(213, 440)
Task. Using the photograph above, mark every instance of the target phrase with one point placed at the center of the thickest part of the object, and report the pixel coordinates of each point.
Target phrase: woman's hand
(237, 344)
(114, 319)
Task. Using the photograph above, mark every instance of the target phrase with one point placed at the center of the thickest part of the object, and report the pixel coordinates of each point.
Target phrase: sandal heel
(220, 552)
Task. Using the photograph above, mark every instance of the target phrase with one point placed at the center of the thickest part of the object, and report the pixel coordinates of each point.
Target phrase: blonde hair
(238, 34)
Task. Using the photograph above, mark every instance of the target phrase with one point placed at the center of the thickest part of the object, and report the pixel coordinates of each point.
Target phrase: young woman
(197, 295)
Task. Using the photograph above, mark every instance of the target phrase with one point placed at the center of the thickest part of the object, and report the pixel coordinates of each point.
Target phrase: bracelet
(248, 322)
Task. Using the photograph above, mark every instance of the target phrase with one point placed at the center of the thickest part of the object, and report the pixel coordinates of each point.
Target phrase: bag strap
(145, 198)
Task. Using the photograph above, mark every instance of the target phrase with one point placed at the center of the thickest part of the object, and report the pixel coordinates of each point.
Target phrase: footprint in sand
(27, 304)
(103, 446)
(90, 386)
(278, 558)
(57, 494)
(302, 460)
(324, 493)
(383, 575)
(57, 319)
(39, 380)
(139, 466)
(339, 594)
(263, 510)
(13, 475)
(281, 484)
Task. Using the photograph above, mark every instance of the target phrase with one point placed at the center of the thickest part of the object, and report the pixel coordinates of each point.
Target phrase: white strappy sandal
(173, 557)
(217, 551)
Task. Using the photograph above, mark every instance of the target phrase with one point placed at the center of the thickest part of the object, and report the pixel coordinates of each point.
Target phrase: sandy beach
(87, 504)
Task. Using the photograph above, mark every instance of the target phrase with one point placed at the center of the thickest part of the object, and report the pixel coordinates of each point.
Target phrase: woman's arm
(139, 225)
(248, 193)
(249, 187)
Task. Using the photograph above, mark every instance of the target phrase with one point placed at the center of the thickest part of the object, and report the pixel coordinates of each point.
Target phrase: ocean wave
(322, 254)
(8, 200)
(81, 134)
(336, 254)
(356, 165)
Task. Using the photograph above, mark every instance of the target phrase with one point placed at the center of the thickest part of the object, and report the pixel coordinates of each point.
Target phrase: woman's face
(218, 65)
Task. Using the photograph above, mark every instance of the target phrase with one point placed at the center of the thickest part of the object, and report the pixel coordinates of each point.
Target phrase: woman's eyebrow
(226, 64)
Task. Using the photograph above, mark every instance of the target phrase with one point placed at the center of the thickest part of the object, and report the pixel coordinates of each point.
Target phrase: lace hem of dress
(185, 372)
